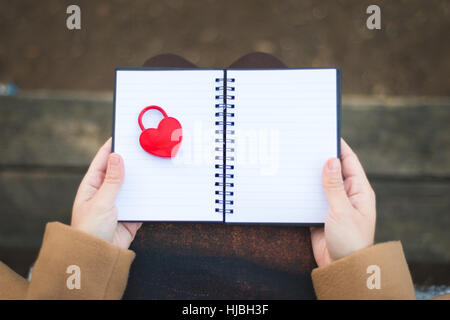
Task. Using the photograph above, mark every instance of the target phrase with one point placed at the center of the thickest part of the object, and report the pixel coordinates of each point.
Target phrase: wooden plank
(29, 200)
(400, 141)
(415, 212)
(52, 132)
(393, 139)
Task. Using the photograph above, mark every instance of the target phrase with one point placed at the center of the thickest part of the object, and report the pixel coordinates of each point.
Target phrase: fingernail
(114, 160)
(333, 165)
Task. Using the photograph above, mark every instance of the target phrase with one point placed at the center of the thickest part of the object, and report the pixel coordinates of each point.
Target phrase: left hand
(94, 210)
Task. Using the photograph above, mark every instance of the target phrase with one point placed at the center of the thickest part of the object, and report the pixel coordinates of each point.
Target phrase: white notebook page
(285, 130)
(161, 189)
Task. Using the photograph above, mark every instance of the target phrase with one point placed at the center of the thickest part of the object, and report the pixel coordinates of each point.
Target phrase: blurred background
(396, 100)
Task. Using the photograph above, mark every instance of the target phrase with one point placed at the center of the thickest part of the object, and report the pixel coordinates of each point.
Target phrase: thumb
(113, 180)
(333, 185)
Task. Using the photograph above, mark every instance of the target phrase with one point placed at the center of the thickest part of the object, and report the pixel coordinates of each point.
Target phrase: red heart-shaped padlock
(163, 141)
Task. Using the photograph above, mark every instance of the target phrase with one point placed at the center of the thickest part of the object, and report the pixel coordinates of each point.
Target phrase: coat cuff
(103, 267)
(355, 276)
(12, 285)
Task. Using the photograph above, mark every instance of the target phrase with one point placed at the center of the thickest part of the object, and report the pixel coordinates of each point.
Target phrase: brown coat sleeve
(103, 268)
(347, 278)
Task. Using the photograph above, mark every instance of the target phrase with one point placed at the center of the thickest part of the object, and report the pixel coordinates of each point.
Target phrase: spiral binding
(224, 150)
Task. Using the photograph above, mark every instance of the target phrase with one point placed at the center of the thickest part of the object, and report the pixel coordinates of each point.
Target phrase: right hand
(350, 221)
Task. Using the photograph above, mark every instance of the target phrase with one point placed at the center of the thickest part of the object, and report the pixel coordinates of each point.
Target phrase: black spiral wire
(225, 113)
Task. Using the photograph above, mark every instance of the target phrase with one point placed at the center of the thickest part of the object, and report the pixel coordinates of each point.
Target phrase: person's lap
(213, 261)
(252, 60)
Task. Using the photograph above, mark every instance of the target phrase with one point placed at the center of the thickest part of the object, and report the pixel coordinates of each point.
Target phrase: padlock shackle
(145, 110)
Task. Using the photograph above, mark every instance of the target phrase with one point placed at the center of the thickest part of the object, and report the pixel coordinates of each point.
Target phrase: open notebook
(254, 144)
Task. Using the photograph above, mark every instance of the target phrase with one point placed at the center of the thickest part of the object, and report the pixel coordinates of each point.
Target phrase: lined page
(162, 189)
(285, 130)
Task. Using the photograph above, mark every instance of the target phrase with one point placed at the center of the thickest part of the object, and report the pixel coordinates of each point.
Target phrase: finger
(316, 231)
(100, 160)
(351, 166)
(125, 233)
(93, 178)
(115, 172)
(356, 181)
(333, 186)
(132, 227)
(357, 185)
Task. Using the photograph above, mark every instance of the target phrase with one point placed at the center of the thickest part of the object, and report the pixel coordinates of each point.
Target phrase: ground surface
(408, 56)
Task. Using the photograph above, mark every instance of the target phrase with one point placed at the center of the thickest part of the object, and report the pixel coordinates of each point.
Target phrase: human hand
(350, 221)
(94, 210)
